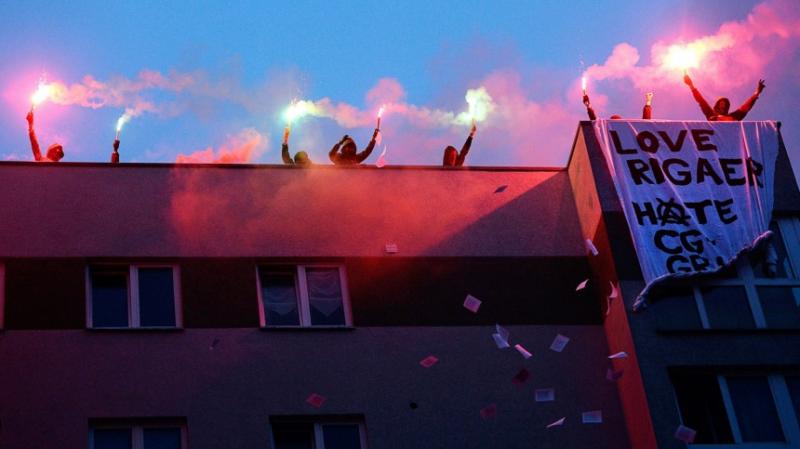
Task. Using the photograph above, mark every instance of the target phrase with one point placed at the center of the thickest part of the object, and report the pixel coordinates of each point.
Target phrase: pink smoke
(244, 147)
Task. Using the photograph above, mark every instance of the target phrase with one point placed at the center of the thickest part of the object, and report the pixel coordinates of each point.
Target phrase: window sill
(134, 329)
(742, 331)
(306, 328)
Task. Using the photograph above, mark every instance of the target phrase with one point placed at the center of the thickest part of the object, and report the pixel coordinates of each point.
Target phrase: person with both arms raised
(345, 151)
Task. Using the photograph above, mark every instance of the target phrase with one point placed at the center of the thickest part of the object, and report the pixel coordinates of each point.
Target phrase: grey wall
(53, 382)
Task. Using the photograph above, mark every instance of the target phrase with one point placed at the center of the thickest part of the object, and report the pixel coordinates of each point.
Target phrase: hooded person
(345, 151)
(452, 158)
(301, 158)
(647, 110)
(721, 110)
(115, 153)
(55, 152)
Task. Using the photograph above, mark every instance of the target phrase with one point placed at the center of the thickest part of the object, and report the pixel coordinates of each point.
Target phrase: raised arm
(740, 113)
(589, 110)
(462, 156)
(287, 159)
(37, 152)
(647, 111)
(115, 153)
(362, 156)
(698, 97)
(334, 153)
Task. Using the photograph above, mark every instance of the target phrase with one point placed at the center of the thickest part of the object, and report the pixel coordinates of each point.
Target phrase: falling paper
(591, 248)
(522, 351)
(500, 341)
(685, 434)
(428, 361)
(489, 411)
(390, 248)
(316, 400)
(472, 304)
(582, 285)
(619, 355)
(521, 377)
(613, 375)
(558, 423)
(381, 159)
(614, 292)
(592, 417)
(545, 395)
(559, 343)
(501, 189)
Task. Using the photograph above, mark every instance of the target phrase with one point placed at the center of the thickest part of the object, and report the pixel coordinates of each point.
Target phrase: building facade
(203, 306)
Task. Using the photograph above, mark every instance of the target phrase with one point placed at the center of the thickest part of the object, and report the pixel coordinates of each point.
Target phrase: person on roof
(54, 152)
(115, 153)
(452, 158)
(721, 110)
(301, 158)
(345, 151)
(647, 111)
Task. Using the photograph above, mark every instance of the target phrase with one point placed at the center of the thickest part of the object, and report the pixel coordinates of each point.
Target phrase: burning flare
(480, 106)
(300, 109)
(583, 84)
(43, 92)
(683, 57)
(122, 120)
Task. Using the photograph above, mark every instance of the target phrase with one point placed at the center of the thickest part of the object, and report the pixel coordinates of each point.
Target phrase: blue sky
(434, 50)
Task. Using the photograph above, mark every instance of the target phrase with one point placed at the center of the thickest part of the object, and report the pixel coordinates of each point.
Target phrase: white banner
(695, 194)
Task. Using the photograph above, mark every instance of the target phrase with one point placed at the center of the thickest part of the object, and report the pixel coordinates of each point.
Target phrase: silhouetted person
(721, 110)
(453, 158)
(54, 152)
(300, 158)
(647, 111)
(345, 152)
(115, 153)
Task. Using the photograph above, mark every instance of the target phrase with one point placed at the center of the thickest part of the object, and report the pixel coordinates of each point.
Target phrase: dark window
(109, 296)
(780, 306)
(341, 436)
(293, 435)
(675, 308)
(701, 406)
(755, 409)
(111, 439)
(279, 294)
(727, 307)
(156, 297)
(325, 296)
(161, 438)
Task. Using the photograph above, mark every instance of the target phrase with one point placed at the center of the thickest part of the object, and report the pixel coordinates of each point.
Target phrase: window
(761, 291)
(111, 435)
(739, 409)
(308, 434)
(133, 296)
(304, 295)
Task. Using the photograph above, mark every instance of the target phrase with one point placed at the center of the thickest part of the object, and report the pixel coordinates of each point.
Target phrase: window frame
(134, 315)
(137, 432)
(317, 424)
(790, 229)
(788, 418)
(303, 304)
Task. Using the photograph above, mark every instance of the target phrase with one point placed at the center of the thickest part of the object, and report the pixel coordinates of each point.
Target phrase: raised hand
(761, 86)
(688, 81)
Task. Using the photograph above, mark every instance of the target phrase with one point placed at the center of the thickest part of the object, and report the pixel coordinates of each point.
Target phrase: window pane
(755, 409)
(156, 297)
(793, 384)
(675, 308)
(109, 296)
(162, 438)
(701, 407)
(279, 294)
(727, 307)
(325, 296)
(780, 305)
(771, 260)
(112, 438)
(341, 436)
(293, 435)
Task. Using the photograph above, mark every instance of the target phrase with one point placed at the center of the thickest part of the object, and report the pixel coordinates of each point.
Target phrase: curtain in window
(325, 292)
